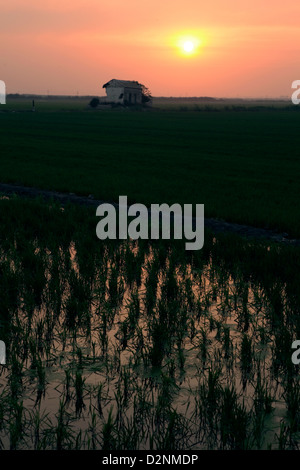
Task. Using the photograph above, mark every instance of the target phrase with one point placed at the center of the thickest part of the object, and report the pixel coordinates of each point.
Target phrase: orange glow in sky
(194, 48)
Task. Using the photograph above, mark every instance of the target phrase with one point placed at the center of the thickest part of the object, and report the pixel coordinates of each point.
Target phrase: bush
(94, 102)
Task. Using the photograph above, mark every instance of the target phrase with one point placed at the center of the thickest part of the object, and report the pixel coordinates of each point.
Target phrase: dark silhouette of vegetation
(94, 102)
(146, 95)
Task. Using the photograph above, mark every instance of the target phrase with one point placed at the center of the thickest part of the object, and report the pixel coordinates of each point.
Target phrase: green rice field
(242, 162)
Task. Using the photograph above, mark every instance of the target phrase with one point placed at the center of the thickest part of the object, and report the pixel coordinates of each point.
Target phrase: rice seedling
(109, 432)
(234, 422)
(79, 390)
(63, 434)
(16, 426)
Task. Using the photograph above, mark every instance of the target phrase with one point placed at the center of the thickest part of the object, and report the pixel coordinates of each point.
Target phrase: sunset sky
(243, 48)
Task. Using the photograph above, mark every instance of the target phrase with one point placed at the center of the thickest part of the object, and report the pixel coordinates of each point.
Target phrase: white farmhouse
(123, 92)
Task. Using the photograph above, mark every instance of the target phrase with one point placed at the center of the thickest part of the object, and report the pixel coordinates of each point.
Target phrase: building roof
(123, 84)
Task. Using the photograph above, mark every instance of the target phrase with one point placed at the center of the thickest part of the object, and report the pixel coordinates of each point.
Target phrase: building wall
(130, 95)
(133, 95)
(113, 94)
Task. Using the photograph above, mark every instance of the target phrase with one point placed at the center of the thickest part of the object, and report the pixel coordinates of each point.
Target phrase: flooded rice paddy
(143, 345)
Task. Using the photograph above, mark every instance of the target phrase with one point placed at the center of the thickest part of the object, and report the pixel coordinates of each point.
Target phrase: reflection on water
(141, 345)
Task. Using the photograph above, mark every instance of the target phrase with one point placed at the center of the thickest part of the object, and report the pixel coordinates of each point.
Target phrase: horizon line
(246, 98)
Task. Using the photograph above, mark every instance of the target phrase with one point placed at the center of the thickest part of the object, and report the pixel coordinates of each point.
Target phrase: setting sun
(188, 45)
